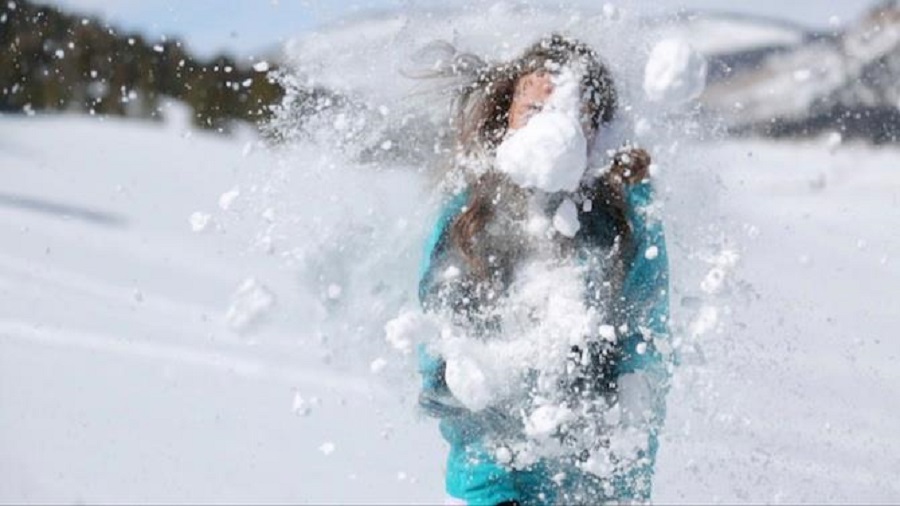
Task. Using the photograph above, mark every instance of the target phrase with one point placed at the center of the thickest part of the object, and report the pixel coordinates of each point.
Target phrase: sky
(249, 27)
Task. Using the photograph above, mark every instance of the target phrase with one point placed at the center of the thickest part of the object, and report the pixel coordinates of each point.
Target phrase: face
(530, 94)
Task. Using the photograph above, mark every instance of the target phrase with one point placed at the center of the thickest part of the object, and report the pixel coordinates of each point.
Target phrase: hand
(631, 166)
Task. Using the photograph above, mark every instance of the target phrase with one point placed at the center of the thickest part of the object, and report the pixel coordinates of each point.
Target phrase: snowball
(550, 152)
(675, 72)
(200, 221)
(565, 221)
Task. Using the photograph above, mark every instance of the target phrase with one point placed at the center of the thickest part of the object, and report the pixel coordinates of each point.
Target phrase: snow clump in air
(550, 152)
(565, 221)
(675, 72)
(408, 327)
(249, 304)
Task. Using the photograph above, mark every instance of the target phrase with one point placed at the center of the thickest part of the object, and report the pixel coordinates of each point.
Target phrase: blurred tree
(55, 61)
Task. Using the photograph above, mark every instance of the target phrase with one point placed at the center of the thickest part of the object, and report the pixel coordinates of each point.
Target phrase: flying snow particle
(451, 272)
(607, 332)
(834, 141)
(407, 327)
(651, 253)
(503, 455)
(378, 365)
(802, 75)
(334, 291)
(158, 48)
(226, 200)
(565, 221)
(387, 145)
(468, 382)
(707, 319)
(675, 72)
(610, 11)
(300, 406)
(249, 304)
(546, 419)
(327, 448)
(261, 66)
(200, 221)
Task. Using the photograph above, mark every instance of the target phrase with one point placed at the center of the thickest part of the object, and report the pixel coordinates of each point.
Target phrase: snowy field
(122, 380)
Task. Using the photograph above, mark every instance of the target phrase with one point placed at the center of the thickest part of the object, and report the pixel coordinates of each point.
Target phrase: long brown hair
(481, 115)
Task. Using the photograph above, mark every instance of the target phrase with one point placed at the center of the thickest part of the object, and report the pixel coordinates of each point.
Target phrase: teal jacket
(472, 473)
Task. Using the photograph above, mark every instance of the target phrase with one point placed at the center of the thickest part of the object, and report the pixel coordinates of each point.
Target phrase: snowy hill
(846, 81)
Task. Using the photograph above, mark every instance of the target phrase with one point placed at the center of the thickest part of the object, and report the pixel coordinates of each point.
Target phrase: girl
(550, 379)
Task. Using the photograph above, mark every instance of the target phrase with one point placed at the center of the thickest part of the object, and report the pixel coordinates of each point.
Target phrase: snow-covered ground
(121, 379)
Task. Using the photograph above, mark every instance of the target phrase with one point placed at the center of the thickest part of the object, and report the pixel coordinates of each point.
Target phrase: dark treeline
(50, 60)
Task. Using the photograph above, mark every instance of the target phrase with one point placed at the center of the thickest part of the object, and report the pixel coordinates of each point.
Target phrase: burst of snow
(550, 151)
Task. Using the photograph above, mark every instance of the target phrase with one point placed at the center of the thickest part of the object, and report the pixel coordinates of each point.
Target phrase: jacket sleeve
(435, 397)
(643, 371)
